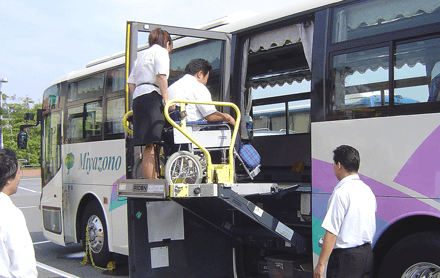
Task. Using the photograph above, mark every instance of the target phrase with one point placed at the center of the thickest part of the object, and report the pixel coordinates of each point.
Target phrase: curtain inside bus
(292, 34)
(302, 32)
(375, 17)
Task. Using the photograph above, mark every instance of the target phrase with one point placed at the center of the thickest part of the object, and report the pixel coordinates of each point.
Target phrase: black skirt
(148, 119)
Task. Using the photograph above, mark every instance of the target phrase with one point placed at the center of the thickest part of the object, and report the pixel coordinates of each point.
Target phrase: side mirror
(39, 115)
(22, 140)
(28, 116)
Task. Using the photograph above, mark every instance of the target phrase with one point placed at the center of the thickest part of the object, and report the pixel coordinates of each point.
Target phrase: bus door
(52, 189)
(188, 44)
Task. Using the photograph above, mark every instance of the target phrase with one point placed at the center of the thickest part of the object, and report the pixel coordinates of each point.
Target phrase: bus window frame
(387, 39)
(80, 103)
(107, 96)
(135, 28)
(330, 113)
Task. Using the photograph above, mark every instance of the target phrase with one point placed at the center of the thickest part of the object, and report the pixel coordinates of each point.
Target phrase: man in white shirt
(350, 222)
(192, 86)
(17, 256)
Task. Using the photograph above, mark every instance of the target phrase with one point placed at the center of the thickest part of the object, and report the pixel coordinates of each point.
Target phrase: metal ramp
(215, 203)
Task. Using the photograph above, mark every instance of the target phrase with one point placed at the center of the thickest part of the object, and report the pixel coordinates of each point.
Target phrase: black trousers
(354, 262)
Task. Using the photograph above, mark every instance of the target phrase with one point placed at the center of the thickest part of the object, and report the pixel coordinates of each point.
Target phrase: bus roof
(233, 23)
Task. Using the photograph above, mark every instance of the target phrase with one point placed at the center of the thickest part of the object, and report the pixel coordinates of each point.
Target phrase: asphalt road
(54, 260)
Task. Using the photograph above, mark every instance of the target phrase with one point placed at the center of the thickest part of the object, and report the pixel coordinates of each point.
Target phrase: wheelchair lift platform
(189, 230)
(212, 202)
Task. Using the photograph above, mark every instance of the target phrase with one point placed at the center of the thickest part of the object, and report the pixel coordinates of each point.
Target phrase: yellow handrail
(125, 122)
(211, 167)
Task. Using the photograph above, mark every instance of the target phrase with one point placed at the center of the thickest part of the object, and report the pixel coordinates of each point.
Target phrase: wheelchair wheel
(183, 167)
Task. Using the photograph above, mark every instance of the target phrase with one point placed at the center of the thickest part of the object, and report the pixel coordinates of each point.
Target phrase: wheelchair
(185, 154)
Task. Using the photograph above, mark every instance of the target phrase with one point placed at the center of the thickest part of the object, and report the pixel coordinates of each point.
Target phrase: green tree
(13, 117)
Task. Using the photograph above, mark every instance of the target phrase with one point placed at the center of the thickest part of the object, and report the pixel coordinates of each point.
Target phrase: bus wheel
(413, 256)
(183, 167)
(93, 224)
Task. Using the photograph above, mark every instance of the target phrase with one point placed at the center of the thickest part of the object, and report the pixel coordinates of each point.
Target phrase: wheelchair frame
(219, 173)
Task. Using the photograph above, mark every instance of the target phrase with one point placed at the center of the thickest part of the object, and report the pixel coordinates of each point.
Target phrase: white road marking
(28, 207)
(41, 242)
(56, 271)
(33, 191)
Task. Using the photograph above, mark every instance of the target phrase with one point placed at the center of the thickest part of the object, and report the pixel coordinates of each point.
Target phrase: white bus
(323, 54)
(84, 147)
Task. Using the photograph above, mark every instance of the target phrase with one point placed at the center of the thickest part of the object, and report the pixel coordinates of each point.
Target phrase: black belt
(146, 83)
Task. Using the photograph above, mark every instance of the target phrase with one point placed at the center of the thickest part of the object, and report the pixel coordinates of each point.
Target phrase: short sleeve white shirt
(149, 63)
(188, 88)
(17, 256)
(351, 213)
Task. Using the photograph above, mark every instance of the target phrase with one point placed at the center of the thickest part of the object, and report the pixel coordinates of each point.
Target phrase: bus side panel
(52, 204)
(95, 170)
(399, 156)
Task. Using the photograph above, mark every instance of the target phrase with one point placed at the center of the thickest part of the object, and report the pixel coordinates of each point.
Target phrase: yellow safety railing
(224, 172)
(125, 122)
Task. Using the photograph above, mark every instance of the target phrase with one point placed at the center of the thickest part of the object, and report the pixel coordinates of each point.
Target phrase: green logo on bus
(69, 161)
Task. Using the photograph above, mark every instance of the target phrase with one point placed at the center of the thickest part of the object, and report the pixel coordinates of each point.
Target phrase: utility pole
(2, 80)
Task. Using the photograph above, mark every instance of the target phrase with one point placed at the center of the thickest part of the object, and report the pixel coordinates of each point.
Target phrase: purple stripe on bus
(421, 172)
(114, 195)
(389, 208)
(323, 176)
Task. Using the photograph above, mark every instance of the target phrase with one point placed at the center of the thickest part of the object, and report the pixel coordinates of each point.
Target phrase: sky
(43, 40)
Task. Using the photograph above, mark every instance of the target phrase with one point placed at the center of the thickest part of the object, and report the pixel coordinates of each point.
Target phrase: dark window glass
(115, 80)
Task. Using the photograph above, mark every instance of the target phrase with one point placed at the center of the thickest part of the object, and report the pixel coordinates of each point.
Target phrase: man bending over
(192, 86)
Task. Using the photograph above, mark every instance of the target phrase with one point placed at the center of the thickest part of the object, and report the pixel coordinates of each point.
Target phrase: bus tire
(94, 219)
(192, 171)
(413, 256)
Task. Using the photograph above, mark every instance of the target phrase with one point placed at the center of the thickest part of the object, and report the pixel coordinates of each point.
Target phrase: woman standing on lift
(148, 82)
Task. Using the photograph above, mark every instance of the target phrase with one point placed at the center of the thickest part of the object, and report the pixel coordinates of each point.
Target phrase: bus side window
(86, 88)
(360, 81)
(115, 113)
(415, 70)
(75, 123)
(93, 123)
(115, 80)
